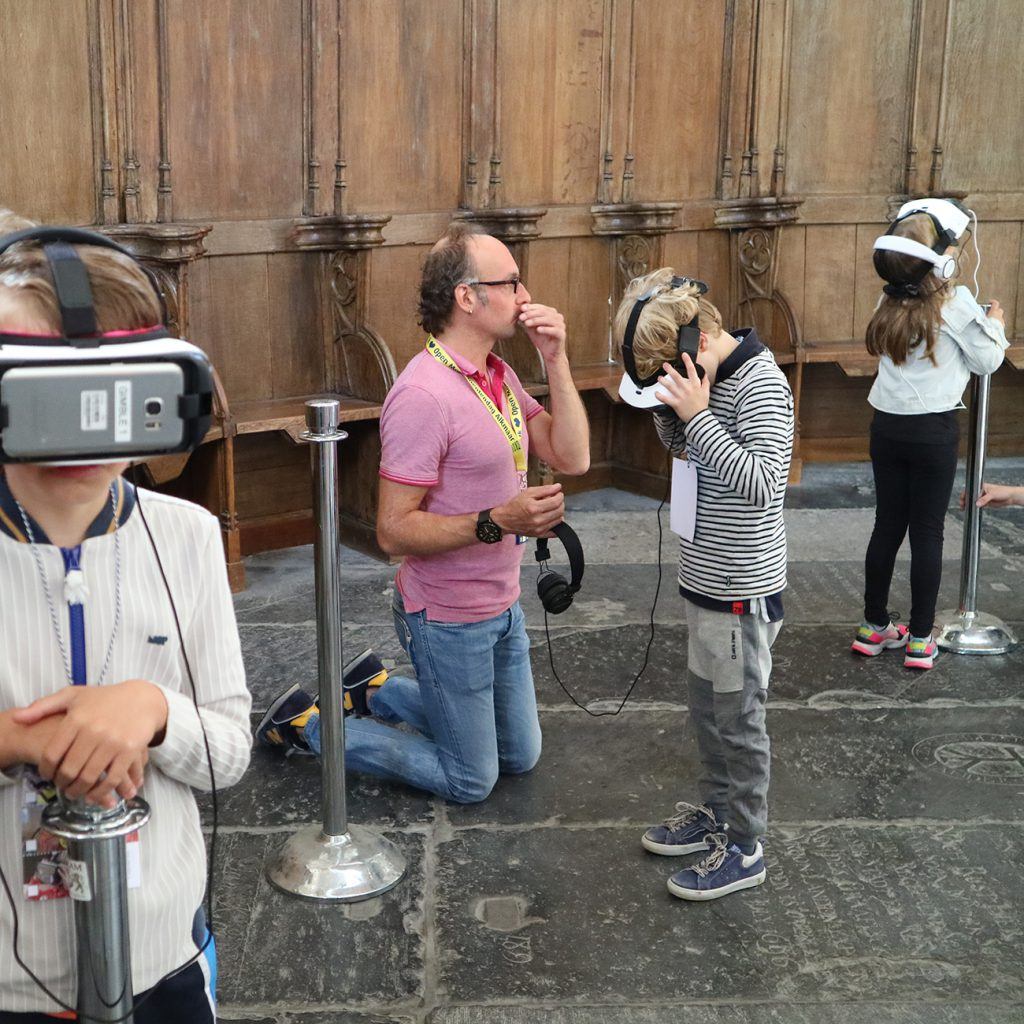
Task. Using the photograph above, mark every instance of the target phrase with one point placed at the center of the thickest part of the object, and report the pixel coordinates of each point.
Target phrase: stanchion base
(974, 633)
(356, 866)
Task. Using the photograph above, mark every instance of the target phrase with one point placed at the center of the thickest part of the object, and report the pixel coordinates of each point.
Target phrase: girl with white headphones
(930, 337)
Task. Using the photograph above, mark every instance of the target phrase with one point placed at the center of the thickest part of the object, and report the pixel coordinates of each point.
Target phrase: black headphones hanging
(553, 589)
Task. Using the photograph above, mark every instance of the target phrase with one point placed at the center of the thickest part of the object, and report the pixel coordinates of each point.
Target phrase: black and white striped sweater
(741, 445)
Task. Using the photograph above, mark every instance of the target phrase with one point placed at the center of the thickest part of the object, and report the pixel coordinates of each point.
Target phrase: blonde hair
(902, 321)
(654, 340)
(123, 296)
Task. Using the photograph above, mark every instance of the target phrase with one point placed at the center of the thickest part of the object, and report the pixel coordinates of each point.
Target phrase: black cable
(657, 591)
(213, 837)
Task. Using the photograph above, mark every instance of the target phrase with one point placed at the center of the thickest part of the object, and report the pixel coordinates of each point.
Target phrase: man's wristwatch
(487, 530)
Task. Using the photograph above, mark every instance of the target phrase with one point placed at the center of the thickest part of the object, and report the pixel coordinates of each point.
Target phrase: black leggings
(913, 483)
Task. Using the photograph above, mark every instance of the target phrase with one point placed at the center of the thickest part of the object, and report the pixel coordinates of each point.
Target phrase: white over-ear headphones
(950, 223)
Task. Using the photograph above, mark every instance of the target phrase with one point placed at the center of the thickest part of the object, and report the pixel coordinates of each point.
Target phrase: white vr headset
(950, 223)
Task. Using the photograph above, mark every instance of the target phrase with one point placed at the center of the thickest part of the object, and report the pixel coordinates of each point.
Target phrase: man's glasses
(515, 281)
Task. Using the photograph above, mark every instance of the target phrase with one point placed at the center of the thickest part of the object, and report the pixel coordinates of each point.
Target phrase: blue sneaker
(686, 831)
(726, 869)
(285, 720)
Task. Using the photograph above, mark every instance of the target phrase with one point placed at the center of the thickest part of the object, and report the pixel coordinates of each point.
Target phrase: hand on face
(687, 395)
(101, 742)
(545, 327)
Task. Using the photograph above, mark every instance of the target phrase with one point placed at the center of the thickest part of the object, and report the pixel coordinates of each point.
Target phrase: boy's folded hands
(93, 741)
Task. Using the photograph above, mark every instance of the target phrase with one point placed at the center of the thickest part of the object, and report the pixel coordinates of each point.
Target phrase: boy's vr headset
(83, 396)
(639, 391)
(950, 222)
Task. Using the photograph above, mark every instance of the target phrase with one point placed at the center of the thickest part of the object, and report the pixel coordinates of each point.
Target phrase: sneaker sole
(354, 664)
(714, 894)
(672, 850)
(872, 650)
(266, 721)
(918, 663)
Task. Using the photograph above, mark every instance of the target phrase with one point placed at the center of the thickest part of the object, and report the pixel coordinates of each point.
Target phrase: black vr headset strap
(71, 283)
(573, 548)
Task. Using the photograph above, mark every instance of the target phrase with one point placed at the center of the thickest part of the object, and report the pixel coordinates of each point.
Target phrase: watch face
(488, 532)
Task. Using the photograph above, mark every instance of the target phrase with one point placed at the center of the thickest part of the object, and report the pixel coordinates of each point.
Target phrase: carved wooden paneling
(235, 110)
(568, 273)
(316, 149)
(984, 136)
(847, 96)
(830, 255)
(48, 170)
(677, 98)
(549, 96)
(402, 104)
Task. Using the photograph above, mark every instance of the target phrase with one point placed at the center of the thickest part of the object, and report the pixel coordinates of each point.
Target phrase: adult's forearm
(427, 533)
(570, 431)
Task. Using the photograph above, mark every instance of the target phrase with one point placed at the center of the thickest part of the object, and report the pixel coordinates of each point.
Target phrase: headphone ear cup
(554, 592)
(946, 269)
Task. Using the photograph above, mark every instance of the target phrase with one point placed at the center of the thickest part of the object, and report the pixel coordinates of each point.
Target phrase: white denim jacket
(968, 342)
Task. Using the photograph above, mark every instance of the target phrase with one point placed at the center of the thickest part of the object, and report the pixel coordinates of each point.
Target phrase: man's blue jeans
(472, 705)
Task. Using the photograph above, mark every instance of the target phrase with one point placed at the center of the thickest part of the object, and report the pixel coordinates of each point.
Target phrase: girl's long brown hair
(903, 321)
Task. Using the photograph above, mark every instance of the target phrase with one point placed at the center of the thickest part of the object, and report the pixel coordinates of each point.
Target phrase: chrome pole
(338, 861)
(97, 880)
(966, 630)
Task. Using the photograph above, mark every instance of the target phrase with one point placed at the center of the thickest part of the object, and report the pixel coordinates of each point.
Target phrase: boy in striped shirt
(735, 421)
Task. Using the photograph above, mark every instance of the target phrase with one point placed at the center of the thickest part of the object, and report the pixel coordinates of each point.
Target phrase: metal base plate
(974, 633)
(356, 866)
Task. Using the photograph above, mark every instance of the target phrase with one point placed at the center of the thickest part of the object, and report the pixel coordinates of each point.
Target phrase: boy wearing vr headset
(722, 398)
(930, 338)
(96, 689)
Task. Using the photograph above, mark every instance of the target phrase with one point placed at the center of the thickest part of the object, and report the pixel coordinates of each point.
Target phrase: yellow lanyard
(513, 431)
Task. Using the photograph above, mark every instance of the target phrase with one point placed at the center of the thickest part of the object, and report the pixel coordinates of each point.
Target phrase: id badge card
(683, 512)
(520, 539)
(44, 857)
(48, 871)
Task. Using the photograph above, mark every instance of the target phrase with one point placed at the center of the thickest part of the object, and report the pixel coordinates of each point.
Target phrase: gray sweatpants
(730, 660)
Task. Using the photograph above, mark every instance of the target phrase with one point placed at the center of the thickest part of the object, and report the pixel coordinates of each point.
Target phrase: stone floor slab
(316, 1017)
(818, 592)
(278, 950)
(738, 1013)
(811, 664)
(278, 655)
(902, 914)
(278, 791)
(955, 765)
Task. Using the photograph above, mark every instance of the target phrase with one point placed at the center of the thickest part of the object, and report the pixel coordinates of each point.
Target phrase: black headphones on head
(553, 589)
(687, 338)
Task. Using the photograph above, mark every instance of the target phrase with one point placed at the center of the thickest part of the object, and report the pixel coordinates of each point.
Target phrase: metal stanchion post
(339, 861)
(966, 630)
(98, 883)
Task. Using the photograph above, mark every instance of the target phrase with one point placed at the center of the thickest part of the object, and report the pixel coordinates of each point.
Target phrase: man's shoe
(363, 672)
(920, 653)
(726, 869)
(282, 725)
(686, 831)
(871, 640)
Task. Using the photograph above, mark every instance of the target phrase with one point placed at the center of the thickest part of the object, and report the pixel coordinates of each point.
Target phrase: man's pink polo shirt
(436, 433)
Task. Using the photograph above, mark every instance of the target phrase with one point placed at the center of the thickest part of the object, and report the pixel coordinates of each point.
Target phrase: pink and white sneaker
(871, 640)
(920, 652)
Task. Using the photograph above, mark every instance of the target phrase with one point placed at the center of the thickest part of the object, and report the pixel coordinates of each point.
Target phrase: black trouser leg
(931, 483)
(892, 517)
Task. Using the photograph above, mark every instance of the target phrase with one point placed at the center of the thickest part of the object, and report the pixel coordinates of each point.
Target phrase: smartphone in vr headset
(91, 411)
